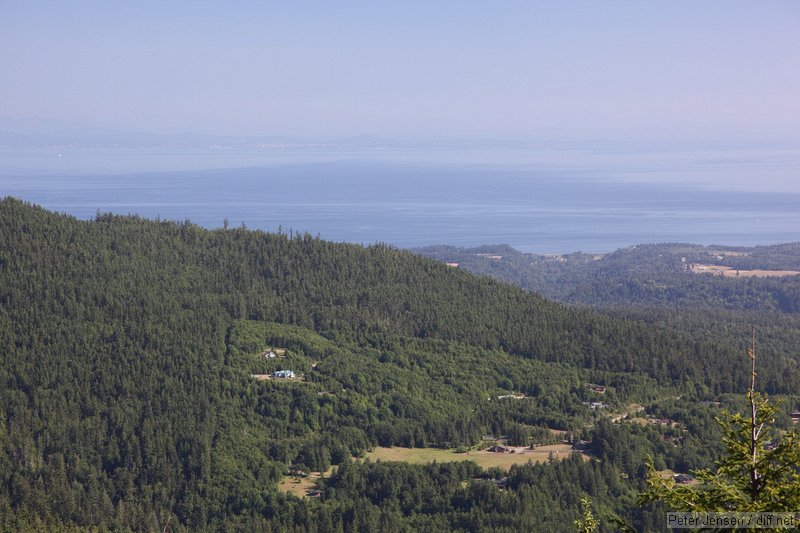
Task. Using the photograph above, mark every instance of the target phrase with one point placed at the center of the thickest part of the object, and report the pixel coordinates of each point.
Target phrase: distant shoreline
(410, 206)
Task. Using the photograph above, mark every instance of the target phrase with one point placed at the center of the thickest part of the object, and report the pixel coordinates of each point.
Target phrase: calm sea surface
(407, 205)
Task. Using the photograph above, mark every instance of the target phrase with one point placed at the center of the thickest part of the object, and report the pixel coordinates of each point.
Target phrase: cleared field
(481, 457)
(268, 377)
(729, 253)
(299, 486)
(732, 272)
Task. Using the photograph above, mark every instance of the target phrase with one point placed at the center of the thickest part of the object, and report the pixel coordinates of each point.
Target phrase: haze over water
(550, 126)
(544, 209)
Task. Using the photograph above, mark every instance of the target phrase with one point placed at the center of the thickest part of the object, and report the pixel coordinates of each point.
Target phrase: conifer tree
(587, 523)
(760, 471)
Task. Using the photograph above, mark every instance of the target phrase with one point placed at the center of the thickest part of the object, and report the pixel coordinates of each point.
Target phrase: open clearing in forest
(733, 273)
(300, 485)
(269, 377)
(483, 458)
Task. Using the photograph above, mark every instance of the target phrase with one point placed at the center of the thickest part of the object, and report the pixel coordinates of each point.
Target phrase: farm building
(581, 446)
(500, 483)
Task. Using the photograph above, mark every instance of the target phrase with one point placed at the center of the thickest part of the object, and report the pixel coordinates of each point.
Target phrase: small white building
(270, 355)
(283, 374)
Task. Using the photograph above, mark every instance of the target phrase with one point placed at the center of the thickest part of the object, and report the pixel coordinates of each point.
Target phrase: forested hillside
(131, 396)
(675, 276)
(715, 292)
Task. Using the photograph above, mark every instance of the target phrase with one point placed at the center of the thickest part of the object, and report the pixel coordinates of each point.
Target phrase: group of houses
(581, 446)
(668, 422)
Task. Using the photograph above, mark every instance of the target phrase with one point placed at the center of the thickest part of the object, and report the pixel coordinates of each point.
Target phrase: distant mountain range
(21, 132)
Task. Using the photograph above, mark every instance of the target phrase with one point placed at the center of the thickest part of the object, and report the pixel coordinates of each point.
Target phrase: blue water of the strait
(409, 206)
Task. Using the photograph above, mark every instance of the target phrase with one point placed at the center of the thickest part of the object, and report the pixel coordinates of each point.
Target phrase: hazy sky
(408, 68)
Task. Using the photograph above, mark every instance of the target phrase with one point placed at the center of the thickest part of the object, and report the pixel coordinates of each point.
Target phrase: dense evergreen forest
(676, 287)
(130, 396)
